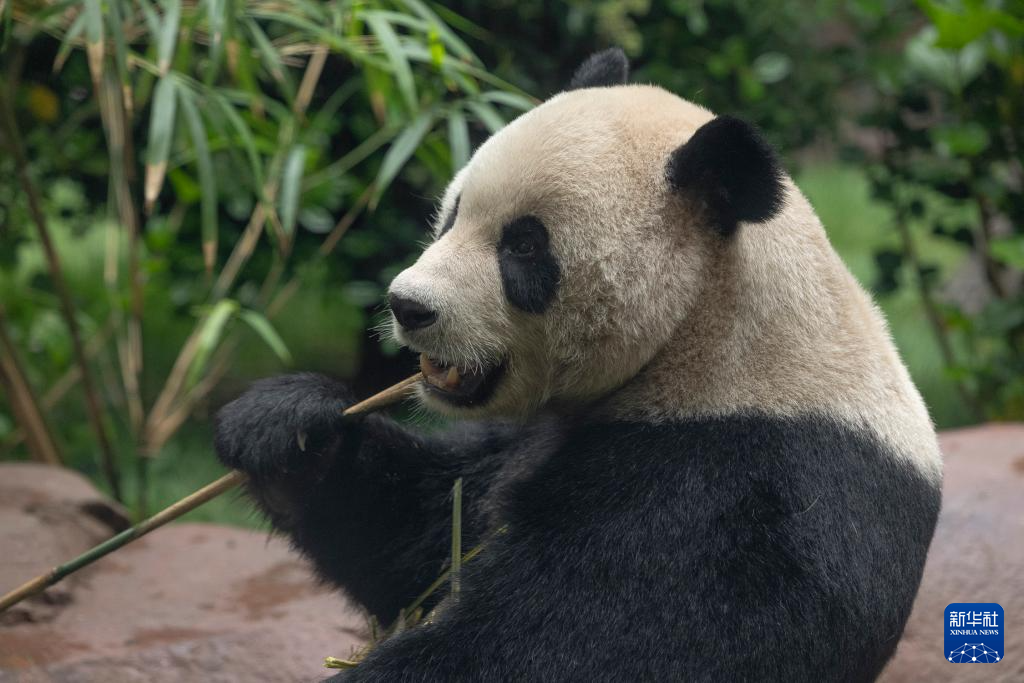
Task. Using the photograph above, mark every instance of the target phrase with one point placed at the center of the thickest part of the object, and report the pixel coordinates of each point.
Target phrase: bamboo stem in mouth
(387, 397)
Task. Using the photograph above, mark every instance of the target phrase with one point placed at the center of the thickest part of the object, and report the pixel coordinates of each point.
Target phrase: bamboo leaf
(291, 183)
(436, 47)
(150, 16)
(44, 12)
(398, 154)
(261, 326)
(68, 42)
(217, 19)
(458, 139)
(361, 152)
(161, 131)
(244, 134)
(269, 55)
(120, 54)
(446, 34)
(207, 179)
(510, 99)
(94, 39)
(6, 23)
(487, 115)
(392, 47)
(168, 36)
(209, 337)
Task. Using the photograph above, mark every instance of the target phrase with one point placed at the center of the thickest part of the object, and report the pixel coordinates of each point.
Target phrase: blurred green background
(229, 186)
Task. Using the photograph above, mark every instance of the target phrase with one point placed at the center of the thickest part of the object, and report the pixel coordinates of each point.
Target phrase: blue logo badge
(974, 633)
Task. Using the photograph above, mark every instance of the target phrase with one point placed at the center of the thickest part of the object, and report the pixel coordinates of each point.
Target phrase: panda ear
(604, 68)
(732, 169)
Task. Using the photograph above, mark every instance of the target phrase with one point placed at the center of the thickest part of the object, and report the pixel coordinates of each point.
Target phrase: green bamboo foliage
(223, 104)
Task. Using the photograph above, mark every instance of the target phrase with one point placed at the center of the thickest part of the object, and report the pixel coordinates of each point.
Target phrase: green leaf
(291, 183)
(951, 69)
(210, 334)
(150, 16)
(510, 99)
(396, 57)
(1009, 250)
(444, 32)
(245, 135)
(217, 19)
(956, 29)
(94, 38)
(437, 51)
(316, 219)
(772, 67)
(161, 131)
(68, 41)
(271, 59)
(967, 139)
(458, 139)
(93, 21)
(120, 46)
(487, 115)
(168, 37)
(399, 152)
(261, 326)
(207, 179)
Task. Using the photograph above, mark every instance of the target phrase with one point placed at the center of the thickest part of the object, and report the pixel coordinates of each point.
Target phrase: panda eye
(523, 247)
(524, 238)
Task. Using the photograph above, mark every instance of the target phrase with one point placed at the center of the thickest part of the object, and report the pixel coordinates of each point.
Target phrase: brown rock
(977, 556)
(47, 516)
(190, 602)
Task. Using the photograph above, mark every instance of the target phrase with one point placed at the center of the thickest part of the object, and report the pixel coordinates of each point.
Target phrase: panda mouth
(460, 386)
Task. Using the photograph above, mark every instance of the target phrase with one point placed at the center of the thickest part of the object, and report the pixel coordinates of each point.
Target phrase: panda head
(575, 242)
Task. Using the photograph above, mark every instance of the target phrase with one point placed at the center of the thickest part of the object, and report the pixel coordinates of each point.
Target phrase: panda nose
(412, 315)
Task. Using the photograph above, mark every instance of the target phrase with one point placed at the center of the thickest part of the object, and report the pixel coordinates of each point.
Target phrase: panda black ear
(732, 169)
(604, 68)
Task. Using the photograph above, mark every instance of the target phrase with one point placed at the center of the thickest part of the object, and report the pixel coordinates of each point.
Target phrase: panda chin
(459, 387)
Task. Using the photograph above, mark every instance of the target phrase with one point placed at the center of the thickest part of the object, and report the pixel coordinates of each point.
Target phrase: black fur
(742, 548)
(450, 220)
(729, 167)
(366, 500)
(529, 271)
(605, 68)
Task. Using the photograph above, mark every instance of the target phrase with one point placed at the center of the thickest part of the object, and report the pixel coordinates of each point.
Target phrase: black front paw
(282, 425)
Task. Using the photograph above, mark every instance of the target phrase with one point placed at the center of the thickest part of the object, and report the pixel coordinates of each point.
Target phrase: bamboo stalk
(229, 481)
(92, 400)
(117, 127)
(456, 583)
(24, 404)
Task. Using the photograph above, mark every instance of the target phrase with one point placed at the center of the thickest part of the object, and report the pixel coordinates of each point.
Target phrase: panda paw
(282, 425)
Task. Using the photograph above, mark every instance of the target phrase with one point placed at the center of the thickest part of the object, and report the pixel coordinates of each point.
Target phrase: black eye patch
(450, 220)
(529, 271)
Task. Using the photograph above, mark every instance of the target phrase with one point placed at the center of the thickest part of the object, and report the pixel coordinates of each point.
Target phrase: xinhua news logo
(974, 633)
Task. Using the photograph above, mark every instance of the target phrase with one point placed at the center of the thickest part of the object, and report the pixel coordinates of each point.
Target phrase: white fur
(656, 317)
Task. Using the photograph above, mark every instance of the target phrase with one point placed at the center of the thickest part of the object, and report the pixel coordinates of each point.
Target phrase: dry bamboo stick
(389, 396)
(13, 138)
(24, 404)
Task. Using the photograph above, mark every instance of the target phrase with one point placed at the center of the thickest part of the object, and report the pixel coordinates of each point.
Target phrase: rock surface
(198, 602)
(977, 556)
(190, 602)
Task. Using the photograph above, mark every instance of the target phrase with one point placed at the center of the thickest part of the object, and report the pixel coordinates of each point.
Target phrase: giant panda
(688, 445)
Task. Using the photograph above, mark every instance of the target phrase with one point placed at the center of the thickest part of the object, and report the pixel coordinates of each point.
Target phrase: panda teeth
(447, 378)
